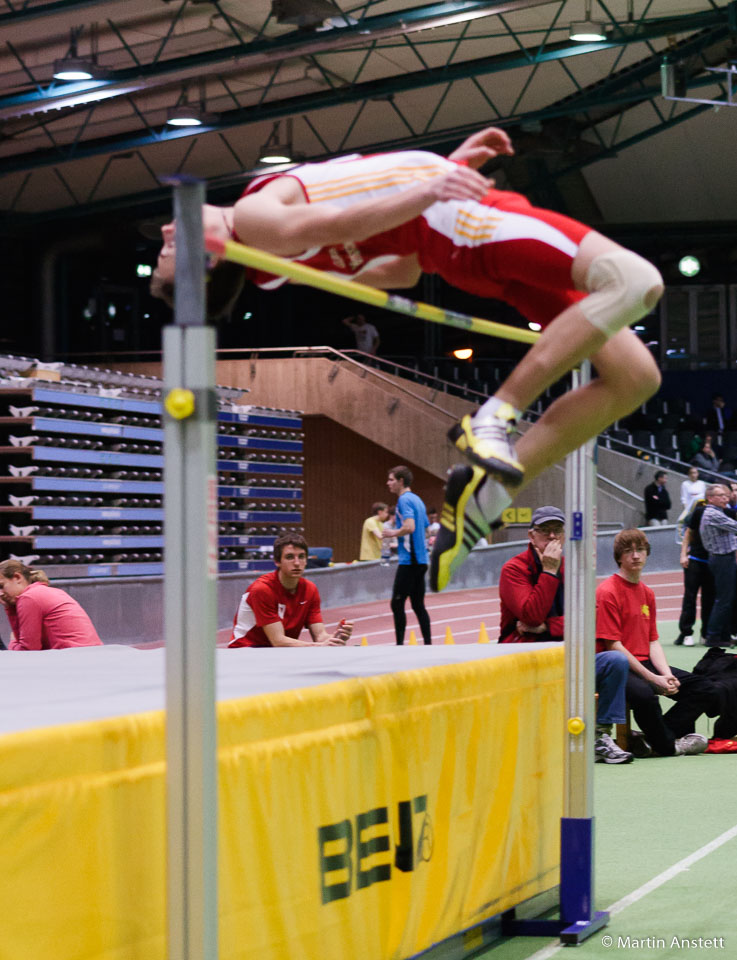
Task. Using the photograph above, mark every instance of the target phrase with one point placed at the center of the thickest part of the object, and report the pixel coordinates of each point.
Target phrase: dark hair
(626, 539)
(402, 473)
(286, 540)
(378, 506)
(224, 283)
(660, 473)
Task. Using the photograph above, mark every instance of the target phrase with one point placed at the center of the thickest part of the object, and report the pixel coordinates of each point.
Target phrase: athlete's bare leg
(628, 375)
(569, 339)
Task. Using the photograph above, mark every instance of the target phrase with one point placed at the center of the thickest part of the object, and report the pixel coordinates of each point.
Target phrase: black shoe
(638, 745)
(678, 641)
(462, 524)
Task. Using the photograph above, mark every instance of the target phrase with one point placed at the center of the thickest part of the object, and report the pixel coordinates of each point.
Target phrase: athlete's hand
(461, 183)
(483, 146)
(684, 562)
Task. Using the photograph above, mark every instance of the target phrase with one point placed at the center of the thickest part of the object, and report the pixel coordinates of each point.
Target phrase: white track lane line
(648, 887)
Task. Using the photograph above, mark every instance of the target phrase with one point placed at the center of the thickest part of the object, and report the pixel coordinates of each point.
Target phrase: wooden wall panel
(344, 474)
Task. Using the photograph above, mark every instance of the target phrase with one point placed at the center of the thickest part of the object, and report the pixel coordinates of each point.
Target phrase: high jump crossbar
(270, 263)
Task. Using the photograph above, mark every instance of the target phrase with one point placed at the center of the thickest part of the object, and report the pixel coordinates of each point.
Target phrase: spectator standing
(718, 416)
(389, 549)
(366, 334)
(279, 605)
(531, 597)
(697, 576)
(657, 501)
(411, 524)
(626, 621)
(371, 538)
(692, 489)
(719, 536)
(42, 617)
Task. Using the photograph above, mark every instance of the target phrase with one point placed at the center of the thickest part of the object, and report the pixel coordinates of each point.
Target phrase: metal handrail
(341, 355)
(679, 466)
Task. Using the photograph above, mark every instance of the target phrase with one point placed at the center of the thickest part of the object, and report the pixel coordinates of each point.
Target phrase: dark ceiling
(333, 77)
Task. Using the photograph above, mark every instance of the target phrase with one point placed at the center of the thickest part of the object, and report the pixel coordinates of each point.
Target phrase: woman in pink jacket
(42, 617)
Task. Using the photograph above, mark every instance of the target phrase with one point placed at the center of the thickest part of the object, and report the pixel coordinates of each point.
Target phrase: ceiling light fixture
(275, 150)
(587, 30)
(184, 115)
(74, 67)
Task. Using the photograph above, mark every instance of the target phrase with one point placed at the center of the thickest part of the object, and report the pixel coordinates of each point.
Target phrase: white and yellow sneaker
(488, 445)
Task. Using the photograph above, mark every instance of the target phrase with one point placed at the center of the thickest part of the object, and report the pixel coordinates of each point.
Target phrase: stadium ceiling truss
(332, 77)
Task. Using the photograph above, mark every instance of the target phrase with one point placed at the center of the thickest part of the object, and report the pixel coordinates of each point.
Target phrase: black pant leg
(708, 592)
(400, 592)
(417, 600)
(645, 704)
(691, 581)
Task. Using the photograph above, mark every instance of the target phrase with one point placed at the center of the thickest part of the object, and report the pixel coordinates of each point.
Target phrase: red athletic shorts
(506, 249)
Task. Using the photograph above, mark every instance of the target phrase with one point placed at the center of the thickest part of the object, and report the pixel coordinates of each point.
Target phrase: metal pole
(579, 636)
(190, 511)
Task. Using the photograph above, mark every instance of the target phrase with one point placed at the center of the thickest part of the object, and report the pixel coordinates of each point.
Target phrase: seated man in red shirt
(626, 621)
(276, 607)
(531, 600)
(42, 617)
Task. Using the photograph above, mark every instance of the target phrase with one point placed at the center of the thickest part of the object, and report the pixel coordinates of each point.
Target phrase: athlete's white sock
(492, 499)
(495, 408)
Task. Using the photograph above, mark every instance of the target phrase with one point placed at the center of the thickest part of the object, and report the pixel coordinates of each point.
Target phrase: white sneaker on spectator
(688, 641)
(607, 751)
(690, 744)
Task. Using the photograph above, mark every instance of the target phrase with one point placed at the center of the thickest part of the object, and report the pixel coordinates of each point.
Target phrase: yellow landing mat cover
(363, 819)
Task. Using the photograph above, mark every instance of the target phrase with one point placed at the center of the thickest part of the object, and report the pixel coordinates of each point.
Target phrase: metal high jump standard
(190, 479)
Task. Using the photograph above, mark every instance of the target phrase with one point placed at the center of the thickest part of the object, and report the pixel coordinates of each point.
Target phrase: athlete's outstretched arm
(277, 218)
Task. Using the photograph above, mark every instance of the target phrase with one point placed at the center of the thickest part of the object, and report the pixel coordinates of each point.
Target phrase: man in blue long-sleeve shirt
(719, 536)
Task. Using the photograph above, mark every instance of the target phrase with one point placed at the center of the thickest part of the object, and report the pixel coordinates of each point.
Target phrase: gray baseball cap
(546, 514)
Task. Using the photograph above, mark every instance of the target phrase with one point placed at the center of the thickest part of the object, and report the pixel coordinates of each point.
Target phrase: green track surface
(650, 815)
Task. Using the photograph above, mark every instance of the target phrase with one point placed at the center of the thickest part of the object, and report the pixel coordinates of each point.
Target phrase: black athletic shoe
(462, 524)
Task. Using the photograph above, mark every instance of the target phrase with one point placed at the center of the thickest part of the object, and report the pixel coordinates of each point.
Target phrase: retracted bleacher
(81, 463)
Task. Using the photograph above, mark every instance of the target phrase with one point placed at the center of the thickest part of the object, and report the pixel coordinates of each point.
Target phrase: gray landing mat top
(51, 687)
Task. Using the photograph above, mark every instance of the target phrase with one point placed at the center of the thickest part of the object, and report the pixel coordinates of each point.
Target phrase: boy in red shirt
(626, 621)
(276, 607)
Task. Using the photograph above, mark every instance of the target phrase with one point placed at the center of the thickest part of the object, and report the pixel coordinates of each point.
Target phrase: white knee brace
(617, 284)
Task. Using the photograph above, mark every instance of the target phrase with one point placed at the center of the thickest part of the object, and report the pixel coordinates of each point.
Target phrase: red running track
(464, 611)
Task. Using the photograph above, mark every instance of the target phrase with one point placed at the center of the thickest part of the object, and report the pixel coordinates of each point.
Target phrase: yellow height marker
(448, 636)
(412, 638)
(364, 641)
(483, 635)
(250, 257)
